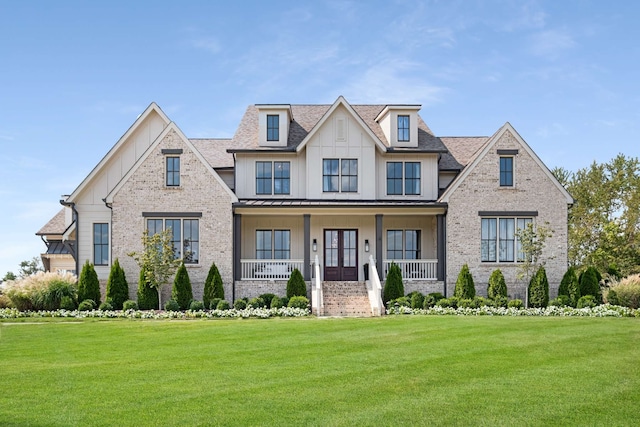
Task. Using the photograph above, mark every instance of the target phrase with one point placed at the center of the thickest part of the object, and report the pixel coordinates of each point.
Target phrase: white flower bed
(604, 310)
(263, 313)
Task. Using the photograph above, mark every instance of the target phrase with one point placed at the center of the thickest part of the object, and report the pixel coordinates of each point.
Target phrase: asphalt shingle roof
(54, 226)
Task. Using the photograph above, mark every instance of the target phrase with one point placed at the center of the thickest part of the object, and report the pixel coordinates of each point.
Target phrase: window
(281, 177)
(506, 171)
(349, 172)
(185, 236)
(340, 175)
(173, 171)
(330, 175)
(403, 128)
(100, 244)
(498, 240)
(263, 177)
(395, 178)
(403, 244)
(273, 244)
(273, 127)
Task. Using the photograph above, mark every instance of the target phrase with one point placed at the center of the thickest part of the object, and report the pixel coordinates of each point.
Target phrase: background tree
(182, 292)
(157, 260)
(497, 286)
(532, 242)
(9, 276)
(538, 292)
(32, 266)
(117, 286)
(465, 288)
(393, 286)
(88, 284)
(147, 294)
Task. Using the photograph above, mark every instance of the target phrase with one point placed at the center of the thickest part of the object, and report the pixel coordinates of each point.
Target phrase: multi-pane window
(403, 128)
(396, 174)
(403, 244)
(498, 240)
(185, 236)
(273, 127)
(273, 177)
(173, 171)
(340, 175)
(273, 244)
(263, 177)
(506, 171)
(100, 244)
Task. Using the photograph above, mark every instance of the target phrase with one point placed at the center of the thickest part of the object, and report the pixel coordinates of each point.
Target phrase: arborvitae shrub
(223, 305)
(465, 287)
(147, 295)
(117, 286)
(393, 286)
(196, 305)
(586, 301)
(298, 302)
(88, 284)
(296, 285)
(181, 291)
(539, 289)
(570, 287)
(129, 305)
(87, 305)
(172, 305)
(276, 302)
(497, 286)
(213, 287)
(267, 299)
(515, 303)
(213, 305)
(240, 304)
(589, 283)
(67, 303)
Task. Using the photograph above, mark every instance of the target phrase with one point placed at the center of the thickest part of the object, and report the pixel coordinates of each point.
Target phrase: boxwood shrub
(223, 305)
(172, 305)
(129, 305)
(240, 304)
(298, 302)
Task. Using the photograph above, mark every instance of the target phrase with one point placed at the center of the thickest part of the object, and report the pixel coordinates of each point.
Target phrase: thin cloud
(209, 44)
(551, 43)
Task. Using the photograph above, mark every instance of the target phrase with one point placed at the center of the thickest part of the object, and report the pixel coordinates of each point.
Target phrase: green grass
(396, 370)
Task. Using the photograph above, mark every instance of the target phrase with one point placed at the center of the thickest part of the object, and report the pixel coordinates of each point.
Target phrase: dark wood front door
(340, 255)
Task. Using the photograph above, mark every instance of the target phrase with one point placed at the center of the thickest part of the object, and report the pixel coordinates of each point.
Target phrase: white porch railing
(317, 303)
(414, 269)
(374, 289)
(269, 269)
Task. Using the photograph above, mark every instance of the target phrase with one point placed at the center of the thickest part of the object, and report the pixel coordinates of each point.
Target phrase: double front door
(340, 255)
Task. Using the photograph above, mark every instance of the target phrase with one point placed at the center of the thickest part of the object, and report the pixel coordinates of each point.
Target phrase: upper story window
(273, 127)
(273, 177)
(403, 128)
(100, 244)
(185, 236)
(506, 171)
(399, 173)
(340, 175)
(173, 171)
(499, 241)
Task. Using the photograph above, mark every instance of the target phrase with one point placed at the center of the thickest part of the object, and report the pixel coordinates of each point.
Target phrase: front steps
(346, 299)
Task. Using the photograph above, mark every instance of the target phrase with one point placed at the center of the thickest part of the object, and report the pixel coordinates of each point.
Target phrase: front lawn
(395, 370)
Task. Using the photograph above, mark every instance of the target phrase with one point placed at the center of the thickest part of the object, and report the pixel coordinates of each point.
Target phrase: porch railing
(269, 269)
(414, 269)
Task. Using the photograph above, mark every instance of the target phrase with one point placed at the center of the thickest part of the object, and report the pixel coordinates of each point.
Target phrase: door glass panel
(331, 249)
(349, 248)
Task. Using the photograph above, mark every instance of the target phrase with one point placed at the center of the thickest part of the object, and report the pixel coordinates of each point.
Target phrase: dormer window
(273, 127)
(399, 123)
(403, 128)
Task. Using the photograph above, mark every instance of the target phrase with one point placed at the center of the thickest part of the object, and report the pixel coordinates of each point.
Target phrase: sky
(74, 75)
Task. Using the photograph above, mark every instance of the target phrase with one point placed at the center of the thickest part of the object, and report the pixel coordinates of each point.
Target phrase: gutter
(76, 217)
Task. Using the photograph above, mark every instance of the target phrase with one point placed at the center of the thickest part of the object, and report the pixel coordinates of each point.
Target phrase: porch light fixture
(366, 245)
(315, 245)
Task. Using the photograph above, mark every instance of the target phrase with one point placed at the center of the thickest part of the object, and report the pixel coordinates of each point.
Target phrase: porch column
(442, 249)
(379, 243)
(237, 250)
(306, 267)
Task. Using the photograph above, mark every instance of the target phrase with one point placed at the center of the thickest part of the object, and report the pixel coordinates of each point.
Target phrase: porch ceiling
(338, 207)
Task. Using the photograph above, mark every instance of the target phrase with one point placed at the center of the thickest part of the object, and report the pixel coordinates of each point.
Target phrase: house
(59, 254)
(338, 191)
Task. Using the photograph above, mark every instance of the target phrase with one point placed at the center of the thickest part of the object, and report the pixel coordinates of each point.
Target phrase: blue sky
(74, 75)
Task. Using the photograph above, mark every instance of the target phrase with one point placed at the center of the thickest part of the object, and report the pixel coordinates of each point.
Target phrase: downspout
(233, 236)
(110, 206)
(76, 217)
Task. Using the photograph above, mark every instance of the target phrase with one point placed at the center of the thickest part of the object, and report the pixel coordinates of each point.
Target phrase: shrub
(88, 284)
(587, 301)
(298, 302)
(147, 294)
(214, 303)
(129, 305)
(87, 305)
(465, 287)
(393, 286)
(276, 302)
(171, 305)
(611, 297)
(448, 302)
(256, 303)
(500, 301)
(117, 286)
(181, 291)
(482, 301)
(5, 302)
(561, 301)
(196, 305)
(590, 284)
(626, 292)
(223, 305)
(267, 299)
(52, 294)
(539, 289)
(213, 287)
(466, 303)
(285, 301)
(402, 301)
(106, 306)
(67, 303)
(431, 299)
(515, 303)
(570, 287)
(497, 286)
(240, 304)
(296, 285)
(40, 291)
(417, 300)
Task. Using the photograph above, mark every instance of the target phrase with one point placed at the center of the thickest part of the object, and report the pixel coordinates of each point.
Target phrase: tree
(569, 286)
(538, 292)
(590, 283)
(182, 292)
(296, 285)
(27, 268)
(393, 286)
(157, 260)
(497, 286)
(88, 284)
(9, 276)
(532, 243)
(147, 294)
(213, 287)
(465, 288)
(117, 286)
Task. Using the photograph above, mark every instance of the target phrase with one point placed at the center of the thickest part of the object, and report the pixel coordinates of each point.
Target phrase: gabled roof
(171, 127)
(153, 107)
(54, 226)
(214, 150)
(479, 155)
